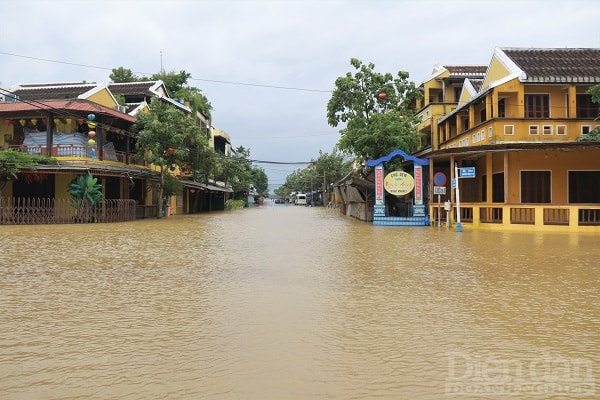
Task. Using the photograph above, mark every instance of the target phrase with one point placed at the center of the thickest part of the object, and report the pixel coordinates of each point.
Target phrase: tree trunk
(160, 191)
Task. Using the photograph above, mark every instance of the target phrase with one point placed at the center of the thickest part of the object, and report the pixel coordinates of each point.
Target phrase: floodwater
(285, 302)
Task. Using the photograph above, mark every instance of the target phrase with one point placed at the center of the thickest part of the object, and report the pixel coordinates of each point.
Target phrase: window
(561, 129)
(586, 108)
(502, 108)
(547, 130)
(585, 129)
(457, 91)
(534, 130)
(509, 129)
(490, 132)
(537, 106)
(584, 186)
(535, 187)
(482, 115)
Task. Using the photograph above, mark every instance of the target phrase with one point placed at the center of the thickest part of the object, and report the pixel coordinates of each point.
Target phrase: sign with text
(439, 190)
(418, 184)
(399, 183)
(379, 185)
(468, 172)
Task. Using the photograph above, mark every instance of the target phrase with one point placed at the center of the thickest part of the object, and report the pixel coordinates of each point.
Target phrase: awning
(206, 186)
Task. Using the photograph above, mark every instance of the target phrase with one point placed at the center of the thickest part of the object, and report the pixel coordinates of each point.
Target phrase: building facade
(519, 133)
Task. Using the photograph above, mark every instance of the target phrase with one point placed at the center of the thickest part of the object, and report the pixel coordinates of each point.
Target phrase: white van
(300, 199)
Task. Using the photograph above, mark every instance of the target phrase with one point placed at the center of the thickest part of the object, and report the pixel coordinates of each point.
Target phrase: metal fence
(31, 211)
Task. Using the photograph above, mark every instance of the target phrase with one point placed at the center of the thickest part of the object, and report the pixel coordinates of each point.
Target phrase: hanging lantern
(34, 121)
(44, 121)
(91, 125)
(91, 142)
(382, 96)
(22, 122)
(80, 121)
(170, 151)
(188, 167)
(68, 121)
(172, 168)
(56, 121)
(91, 117)
(9, 122)
(92, 134)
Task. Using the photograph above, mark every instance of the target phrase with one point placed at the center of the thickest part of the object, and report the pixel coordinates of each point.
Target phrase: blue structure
(380, 217)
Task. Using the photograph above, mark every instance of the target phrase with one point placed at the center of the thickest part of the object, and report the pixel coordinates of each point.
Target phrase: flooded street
(284, 302)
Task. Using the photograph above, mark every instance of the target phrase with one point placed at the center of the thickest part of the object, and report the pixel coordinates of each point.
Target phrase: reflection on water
(284, 302)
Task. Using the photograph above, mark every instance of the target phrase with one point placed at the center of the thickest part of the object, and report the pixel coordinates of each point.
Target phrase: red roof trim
(72, 105)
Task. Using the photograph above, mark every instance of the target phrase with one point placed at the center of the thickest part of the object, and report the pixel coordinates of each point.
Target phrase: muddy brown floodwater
(285, 302)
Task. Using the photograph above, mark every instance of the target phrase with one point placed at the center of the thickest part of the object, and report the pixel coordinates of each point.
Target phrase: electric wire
(150, 74)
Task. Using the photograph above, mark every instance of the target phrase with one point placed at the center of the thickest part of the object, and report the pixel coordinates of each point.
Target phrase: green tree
(326, 168)
(85, 193)
(238, 172)
(168, 138)
(176, 84)
(12, 162)
(122, 75)
(259, 180)
(375, 109)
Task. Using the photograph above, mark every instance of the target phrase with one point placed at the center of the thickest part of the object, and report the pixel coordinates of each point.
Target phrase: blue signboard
(468, 172)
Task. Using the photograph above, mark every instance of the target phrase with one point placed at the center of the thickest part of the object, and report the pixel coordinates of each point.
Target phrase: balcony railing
(79, 151)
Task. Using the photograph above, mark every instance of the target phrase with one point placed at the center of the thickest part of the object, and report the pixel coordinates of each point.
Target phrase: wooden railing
(534, 215)
(30, 211)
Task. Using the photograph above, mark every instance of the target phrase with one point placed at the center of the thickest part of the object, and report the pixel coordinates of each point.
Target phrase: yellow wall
(496, 71)
(559, 163)
(103, 97)
(60, 185)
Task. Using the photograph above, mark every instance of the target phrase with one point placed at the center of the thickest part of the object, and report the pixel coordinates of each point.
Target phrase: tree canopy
(168, 138)
(176, 84)
(375, 109)
(12, 162)
(238, 171)
(324, 169)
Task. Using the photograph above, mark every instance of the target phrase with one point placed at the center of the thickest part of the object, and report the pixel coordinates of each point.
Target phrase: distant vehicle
(300, 199)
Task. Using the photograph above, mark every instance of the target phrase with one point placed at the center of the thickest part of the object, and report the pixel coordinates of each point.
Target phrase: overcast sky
(268, 67)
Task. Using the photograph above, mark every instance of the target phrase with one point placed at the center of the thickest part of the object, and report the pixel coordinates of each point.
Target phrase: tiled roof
(557, 65)
(466, 70)
(133, 88)
(477, 83)
(52, 91)
(70, 105)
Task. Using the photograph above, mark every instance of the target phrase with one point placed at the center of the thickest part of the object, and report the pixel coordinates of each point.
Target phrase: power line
(43, 106)
(150, 74)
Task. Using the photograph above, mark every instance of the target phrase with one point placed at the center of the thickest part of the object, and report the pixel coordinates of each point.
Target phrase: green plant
(233, 204)
(85, 192)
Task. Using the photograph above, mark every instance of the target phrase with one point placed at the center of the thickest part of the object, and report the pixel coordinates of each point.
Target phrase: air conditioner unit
(122, 109)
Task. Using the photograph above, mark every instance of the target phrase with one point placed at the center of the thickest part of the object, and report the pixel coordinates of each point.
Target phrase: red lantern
(188, 167)
(382, 96)
(170, 151)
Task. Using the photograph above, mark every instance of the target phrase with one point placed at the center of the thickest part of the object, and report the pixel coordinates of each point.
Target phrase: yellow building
(519, 130)
(85, 128)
